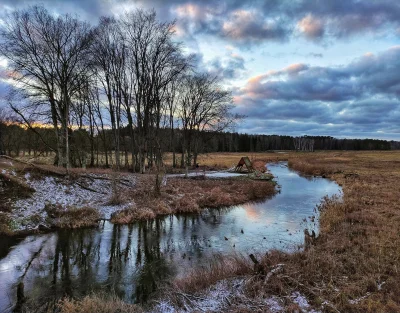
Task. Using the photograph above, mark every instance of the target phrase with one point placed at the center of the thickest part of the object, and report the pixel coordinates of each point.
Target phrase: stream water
(131, 260)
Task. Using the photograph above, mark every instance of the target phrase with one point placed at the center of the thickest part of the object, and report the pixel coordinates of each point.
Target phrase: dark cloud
(258, 21)
(362, 97)
(248, 22)
(368, 76)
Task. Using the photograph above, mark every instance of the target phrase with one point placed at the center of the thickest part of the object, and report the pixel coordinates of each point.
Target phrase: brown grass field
(354, 265)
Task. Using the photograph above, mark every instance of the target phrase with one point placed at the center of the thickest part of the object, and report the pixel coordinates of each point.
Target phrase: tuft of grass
(97, 303)
(222, 267)
(131, 215)
(5, 225)
(71, 217)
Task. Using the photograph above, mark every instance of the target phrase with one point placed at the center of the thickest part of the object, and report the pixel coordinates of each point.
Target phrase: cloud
(361, 97)
(251, 26)
(252, 22)
(248, 22)
(367, 76)
(228, 67)
(311, 27)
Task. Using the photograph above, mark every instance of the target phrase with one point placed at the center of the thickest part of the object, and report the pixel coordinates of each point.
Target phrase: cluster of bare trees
(126, 73)
(303, 143)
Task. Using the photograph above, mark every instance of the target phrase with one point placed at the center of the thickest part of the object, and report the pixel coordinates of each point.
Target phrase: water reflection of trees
(126, 260)
(130, 261)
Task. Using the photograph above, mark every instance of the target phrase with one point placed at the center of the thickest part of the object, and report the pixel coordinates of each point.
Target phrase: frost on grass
(302, 302)
(221, 297)
(94, 191)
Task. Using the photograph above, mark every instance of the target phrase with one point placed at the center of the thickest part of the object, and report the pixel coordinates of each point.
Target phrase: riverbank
(180, 195)
(351, 267)
(42, 198)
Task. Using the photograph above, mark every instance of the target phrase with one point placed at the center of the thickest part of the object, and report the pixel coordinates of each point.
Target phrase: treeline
(16, 140)
(234, 142)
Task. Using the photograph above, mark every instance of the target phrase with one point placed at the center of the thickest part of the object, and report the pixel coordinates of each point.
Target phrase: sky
(295, 67)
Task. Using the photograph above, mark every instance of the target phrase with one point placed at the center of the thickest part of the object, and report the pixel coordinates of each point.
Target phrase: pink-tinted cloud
(311, 27)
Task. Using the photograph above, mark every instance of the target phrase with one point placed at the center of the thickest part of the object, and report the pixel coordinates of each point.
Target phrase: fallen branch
(90, 189)
(34, 166)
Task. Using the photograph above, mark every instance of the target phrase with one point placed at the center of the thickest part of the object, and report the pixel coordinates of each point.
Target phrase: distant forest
(86, 148)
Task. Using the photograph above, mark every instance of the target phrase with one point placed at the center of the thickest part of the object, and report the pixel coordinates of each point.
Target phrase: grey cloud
(229, 67)
(369, 75)
(248, 22)
(360, 99)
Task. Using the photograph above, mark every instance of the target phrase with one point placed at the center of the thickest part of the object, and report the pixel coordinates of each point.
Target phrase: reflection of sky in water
(132, 259)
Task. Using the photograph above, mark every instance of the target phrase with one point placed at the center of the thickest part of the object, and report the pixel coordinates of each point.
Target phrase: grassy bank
(353, 266)
(189, 196)
(43, 197)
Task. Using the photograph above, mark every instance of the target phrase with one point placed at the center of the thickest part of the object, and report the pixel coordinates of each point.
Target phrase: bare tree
(303, 143)
(155, 61)
(48, 57)
(204, 107)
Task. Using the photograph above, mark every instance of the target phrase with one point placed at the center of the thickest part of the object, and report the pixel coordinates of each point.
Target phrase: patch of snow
(164, 307)
(355, 301)
(57, 191)
(209, 174)
(302, 302)
(273, 305)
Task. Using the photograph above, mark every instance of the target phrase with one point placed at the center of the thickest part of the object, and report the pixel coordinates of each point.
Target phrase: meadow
(353, 265)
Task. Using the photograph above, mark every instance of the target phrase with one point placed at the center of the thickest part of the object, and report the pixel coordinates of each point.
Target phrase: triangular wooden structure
(244, 161)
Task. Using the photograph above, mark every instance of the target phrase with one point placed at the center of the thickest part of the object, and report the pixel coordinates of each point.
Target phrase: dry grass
(222, 267)
(99, 304)
(5, 225)
(355, 262)
(189, 195)
(71, 217)
(226, 160)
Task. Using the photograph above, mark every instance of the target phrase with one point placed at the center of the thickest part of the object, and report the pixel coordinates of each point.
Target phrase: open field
(353, 266)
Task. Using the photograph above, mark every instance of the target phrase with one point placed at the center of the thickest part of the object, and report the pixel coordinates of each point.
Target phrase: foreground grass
(98, 304)
(71, 218)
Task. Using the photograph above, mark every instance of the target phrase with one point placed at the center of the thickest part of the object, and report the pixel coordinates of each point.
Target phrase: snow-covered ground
(92, 190)
(208, 174)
